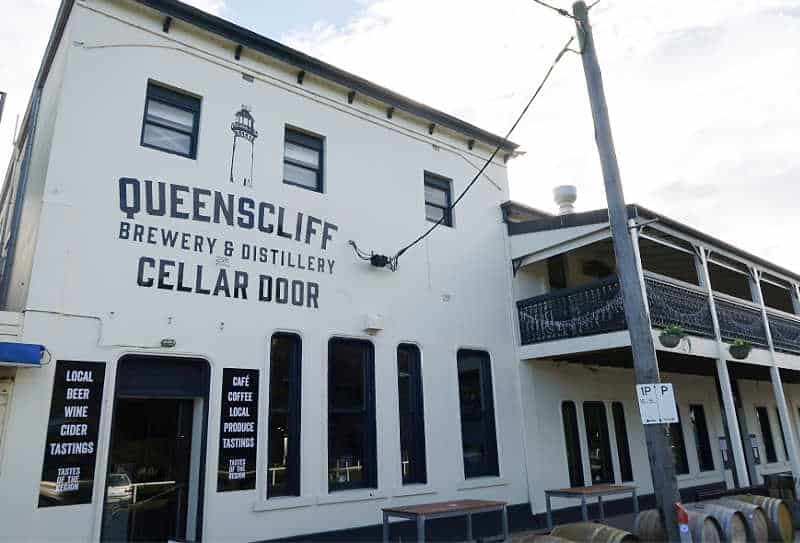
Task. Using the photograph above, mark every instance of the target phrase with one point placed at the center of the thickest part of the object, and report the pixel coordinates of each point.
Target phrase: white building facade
(192, 348)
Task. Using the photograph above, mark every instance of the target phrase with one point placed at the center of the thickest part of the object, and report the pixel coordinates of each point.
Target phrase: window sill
(358, 495)
(412, 490)
(286, 502)
(482, 482)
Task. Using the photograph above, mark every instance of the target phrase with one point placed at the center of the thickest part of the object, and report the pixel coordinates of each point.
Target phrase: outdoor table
(456, 508)
(583, 492)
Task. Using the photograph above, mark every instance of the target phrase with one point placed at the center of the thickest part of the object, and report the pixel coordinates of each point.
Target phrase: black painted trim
(247, 38)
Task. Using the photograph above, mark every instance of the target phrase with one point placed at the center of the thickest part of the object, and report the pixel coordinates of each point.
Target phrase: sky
(704, 97)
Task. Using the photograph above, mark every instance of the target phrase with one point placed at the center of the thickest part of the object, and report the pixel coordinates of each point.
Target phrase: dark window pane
(345, 450)
(433, 213)
(597, 439)
(299, 176)
(436, 196)
(766, 434)
(351, 415)
(573, 444)
(783, 436)
(346, 368)
(283, 451)
(705, 458)
(678, 446)
(777, 297)
(170, 116)
(302, 160)
(557, 271)
(170, 121)
(412, 423)
(729, 282)
(167, 139)
(303, 155)
(623, 450)
(478, 438)
(438, 199)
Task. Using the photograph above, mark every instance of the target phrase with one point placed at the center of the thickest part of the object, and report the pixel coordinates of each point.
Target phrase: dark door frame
(174, 393)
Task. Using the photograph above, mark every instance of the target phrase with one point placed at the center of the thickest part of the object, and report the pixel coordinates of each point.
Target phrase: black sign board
(71, 447)
(238, 430)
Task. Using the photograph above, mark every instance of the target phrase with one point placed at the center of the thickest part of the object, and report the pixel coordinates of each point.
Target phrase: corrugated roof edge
(247, 38)
(634, 210)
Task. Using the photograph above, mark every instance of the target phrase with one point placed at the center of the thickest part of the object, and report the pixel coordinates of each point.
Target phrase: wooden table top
(454, 506)
(594, 490)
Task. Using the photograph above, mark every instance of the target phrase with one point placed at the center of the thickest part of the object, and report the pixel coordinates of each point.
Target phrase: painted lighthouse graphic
(244, 136)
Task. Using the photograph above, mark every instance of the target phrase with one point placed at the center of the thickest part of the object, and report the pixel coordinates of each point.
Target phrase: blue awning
(24, 354)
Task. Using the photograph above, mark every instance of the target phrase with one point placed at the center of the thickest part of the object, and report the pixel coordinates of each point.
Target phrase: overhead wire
(392, 262)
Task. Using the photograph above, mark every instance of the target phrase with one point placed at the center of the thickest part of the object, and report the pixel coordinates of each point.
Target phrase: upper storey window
(171, 121)
(302, 160)
(438, 199)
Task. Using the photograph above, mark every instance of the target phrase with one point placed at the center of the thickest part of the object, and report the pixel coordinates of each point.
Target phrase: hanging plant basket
(670, 341)
(671, 336)
(740, 350)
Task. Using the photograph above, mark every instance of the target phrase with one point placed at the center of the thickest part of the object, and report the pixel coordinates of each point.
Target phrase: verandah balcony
(597, 308)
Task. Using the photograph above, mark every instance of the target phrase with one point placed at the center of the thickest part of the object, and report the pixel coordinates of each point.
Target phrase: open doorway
(155, 462)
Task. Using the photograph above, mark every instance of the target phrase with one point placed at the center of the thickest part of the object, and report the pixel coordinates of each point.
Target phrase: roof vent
(565, 196)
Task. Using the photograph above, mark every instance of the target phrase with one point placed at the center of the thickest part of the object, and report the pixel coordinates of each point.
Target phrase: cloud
(703, 98)
(216, 7)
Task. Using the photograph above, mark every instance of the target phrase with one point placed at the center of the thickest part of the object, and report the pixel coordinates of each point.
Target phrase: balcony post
(777, 386)
(723, 377)
(796, 299)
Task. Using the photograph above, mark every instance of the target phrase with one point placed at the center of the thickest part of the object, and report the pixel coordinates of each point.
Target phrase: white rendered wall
(452, 291)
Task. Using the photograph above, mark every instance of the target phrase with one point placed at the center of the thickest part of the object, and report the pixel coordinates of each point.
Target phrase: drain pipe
(5, 272)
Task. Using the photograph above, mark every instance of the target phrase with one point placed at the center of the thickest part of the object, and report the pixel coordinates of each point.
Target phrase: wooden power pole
(645, 363)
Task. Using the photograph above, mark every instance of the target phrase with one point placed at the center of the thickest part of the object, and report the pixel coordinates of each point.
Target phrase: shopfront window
(597, 439)
(412, 419)
(766, 434)
(678, 446)
(705, 458)
(478, 438)
(283, 450)
(351, 415)
(572, 441)
(623, 449)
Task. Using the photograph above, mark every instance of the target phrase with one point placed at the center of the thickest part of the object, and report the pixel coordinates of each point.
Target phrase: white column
(729, 405)
(777, 386)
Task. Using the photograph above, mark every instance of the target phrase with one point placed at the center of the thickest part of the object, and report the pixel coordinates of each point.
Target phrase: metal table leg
(505, 523)
(385, 528)
(584, 509)
(602, 511)
(469, 526)
(635, 501)
(549, 511)
(421, 528)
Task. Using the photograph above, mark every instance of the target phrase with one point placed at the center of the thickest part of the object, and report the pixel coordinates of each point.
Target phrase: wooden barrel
(704, 528)
(589, 532)
(779, 516)
(732, 522)
(757, 523)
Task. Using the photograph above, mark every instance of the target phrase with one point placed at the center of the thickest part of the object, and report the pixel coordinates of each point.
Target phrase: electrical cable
(560, 11)
(392, 262)
(490, 159)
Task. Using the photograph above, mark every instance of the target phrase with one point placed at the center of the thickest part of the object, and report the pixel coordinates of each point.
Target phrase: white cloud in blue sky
(704, 96)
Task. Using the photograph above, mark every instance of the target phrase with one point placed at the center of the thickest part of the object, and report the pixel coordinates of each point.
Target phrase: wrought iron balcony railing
(597, 308)
(583, 311)
(739, 321)
(785, 333)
